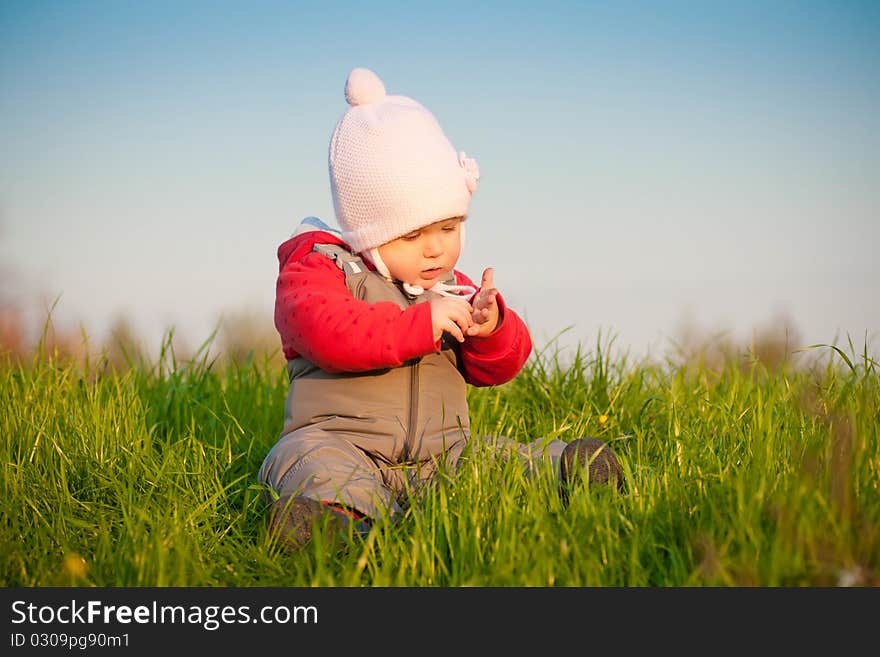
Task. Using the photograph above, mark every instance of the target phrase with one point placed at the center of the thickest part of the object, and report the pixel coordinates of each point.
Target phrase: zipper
(409, 440)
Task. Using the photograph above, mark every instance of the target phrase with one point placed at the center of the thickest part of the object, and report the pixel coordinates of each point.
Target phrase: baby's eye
(448, 229)
(409, 237)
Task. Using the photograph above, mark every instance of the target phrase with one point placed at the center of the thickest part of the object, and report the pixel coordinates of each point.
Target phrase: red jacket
(319, 319)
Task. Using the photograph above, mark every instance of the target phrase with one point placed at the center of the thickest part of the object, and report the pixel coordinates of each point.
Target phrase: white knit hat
(392, 169)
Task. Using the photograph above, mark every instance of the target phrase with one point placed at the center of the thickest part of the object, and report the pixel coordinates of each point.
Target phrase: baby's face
(426, 255)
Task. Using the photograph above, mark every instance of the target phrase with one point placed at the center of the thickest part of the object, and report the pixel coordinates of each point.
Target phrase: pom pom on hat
(392, 168)
(364, 87)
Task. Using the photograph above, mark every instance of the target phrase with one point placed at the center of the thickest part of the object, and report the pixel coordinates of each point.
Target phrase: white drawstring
(441, 288)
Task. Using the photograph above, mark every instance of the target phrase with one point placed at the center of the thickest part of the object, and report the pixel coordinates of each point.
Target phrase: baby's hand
(485, 308)
(451, 314)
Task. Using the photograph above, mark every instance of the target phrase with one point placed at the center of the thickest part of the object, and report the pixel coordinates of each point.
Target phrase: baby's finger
(488, 278)
(465, 321)
(453, 329)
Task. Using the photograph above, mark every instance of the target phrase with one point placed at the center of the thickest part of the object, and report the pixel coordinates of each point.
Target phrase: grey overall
(367, 440)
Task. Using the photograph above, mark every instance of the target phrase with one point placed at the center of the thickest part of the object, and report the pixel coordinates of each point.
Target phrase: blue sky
(643, 165)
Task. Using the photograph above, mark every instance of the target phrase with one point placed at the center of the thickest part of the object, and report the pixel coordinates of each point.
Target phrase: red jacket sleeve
(496, 358)
(318, 318)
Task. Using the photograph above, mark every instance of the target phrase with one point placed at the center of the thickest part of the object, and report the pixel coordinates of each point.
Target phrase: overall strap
(347, 261)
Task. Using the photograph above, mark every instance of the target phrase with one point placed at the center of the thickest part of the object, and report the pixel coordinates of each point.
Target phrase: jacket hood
(310, 232)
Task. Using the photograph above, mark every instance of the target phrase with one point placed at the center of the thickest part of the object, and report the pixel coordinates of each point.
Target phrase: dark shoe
(292, 520)
(593, 456)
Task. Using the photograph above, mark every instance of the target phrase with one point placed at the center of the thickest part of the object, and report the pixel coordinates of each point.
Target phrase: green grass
(737, 475)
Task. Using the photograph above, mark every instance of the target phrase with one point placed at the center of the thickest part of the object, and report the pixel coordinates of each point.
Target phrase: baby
(382, 334)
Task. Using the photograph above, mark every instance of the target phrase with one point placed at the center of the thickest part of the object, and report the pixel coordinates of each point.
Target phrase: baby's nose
(433, 247)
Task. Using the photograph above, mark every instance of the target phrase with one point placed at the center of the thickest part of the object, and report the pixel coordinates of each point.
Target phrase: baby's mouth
(431, 274)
